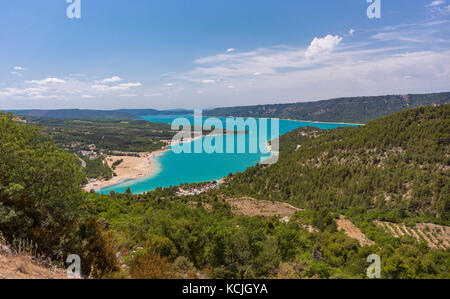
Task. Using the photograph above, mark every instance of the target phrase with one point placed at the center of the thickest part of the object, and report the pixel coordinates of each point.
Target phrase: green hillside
(42, 206)
(395, 169)
(354, 110)
(105, 134)
(396, 166)
(393, 172)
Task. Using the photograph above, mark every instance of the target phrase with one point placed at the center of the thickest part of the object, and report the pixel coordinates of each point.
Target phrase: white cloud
(32, 93)
(128, 85)
(155, 94)
(111, 80)
(18, 68)
(401, 36)
(11, 91)
(231, 50)
(436, 3)
(67, 89)
(100, 87)
(322, 46)
(122, 86)
(47, 81)
(372, 66)
(351, 31)
(437, 8)
(362, 68)
(429, 33)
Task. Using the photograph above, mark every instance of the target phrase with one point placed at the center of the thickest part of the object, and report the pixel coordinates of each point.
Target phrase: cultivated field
(436, 236)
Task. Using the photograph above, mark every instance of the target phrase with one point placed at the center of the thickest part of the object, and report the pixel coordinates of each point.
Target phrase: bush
(149, 265)
(41, 200)
(98, 255)
(40, 194)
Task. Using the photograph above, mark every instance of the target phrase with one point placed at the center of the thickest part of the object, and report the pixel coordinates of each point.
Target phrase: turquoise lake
(176, 169)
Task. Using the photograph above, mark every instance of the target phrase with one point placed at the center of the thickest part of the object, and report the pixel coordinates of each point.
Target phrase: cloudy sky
(210, 53)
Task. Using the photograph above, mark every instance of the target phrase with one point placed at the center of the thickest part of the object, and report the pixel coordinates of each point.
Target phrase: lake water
(176, 169)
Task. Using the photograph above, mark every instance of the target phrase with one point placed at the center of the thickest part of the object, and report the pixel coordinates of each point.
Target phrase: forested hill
(354, 110)
(95, 114)
(396, 168)
(73, 113)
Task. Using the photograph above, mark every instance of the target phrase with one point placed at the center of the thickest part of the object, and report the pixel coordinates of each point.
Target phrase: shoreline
(322, 122)
(298, 120)
(132, 168)
(135, 168)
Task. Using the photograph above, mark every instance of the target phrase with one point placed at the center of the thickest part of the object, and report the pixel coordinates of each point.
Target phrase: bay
(176, 169)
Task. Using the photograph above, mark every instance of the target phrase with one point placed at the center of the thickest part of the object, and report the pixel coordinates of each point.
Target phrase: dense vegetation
(95, 114)
(354, 110)
(123, 135)
(98, 168)
(395, 168)
(392, 169)
(92, 139)
(163, 236)
(41, 199)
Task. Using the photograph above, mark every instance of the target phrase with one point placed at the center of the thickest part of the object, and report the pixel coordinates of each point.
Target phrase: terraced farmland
(436, 236)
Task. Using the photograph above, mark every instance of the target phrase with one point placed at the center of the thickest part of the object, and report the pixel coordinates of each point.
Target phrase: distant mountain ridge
(82, 113)
(352, 109)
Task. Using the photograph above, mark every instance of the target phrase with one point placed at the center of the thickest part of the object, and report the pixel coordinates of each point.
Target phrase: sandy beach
(131, 168)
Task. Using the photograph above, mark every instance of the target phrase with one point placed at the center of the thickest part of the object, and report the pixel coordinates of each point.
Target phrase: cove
(176, 169)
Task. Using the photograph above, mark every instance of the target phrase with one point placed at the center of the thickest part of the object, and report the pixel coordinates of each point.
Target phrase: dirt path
(22, 267)
(353, 232)
(255, 207)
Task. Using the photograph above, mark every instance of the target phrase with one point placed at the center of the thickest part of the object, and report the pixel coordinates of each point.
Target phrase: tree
(39, 188)
(149, 265)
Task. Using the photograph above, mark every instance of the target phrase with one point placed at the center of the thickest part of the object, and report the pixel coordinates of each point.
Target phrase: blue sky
(209, 53)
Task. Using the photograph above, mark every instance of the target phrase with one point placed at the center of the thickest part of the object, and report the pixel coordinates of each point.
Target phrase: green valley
(334, 198)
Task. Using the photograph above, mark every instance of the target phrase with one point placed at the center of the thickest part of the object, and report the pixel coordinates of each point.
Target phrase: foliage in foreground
(41, 199)
(161, 235)
(157, 230)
